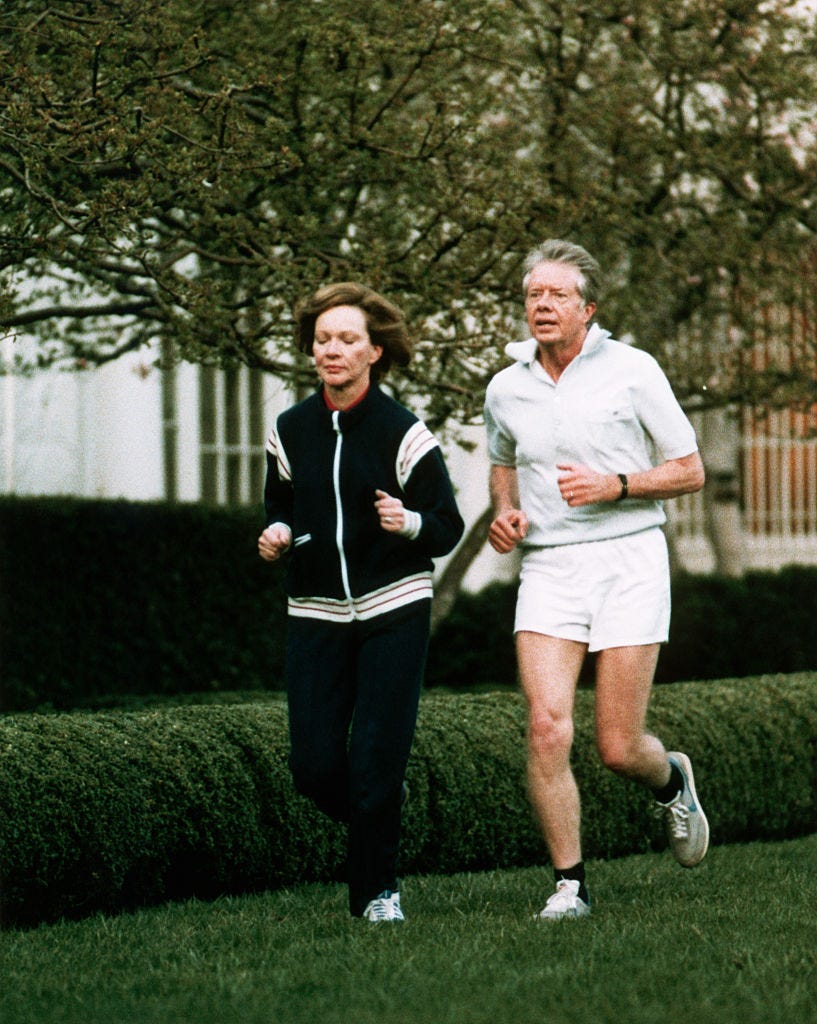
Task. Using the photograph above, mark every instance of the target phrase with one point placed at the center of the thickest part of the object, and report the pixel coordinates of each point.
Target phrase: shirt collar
(525, 351)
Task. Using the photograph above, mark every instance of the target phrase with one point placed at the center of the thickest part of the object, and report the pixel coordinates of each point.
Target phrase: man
(585, 439)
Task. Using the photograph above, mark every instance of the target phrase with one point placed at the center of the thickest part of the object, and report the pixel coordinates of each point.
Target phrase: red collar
(334, 408)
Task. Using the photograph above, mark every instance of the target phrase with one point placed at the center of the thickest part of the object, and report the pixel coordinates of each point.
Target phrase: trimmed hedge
(761, 622)
(114, 810)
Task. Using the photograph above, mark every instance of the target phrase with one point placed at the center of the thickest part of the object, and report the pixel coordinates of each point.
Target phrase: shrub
(103, 602)
(474, 644)
(762, 622)
(111, 598)
(119, 809)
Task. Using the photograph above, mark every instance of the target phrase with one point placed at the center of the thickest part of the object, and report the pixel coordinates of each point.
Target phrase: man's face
(557, 315)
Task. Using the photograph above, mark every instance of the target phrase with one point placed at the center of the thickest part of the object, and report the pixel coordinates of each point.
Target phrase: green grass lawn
(734, 940)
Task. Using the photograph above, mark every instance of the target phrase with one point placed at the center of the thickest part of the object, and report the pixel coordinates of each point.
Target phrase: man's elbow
(697, 477)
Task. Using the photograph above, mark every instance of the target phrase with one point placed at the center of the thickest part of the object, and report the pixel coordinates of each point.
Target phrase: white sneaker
(385, 907)
(565, 902)
(687, 827)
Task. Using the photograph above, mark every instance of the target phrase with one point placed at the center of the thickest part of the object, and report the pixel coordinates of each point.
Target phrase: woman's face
(343, 352)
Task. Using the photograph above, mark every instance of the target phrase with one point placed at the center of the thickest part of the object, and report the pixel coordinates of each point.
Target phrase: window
(779, 471)
(231, 435)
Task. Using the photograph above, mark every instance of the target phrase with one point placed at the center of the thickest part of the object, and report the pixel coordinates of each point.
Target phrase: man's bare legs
(549, 670)
(624, 678)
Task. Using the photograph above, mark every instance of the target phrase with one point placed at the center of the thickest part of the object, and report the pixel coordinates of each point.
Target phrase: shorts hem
(554, 634)
(606, 645)
(594, 645)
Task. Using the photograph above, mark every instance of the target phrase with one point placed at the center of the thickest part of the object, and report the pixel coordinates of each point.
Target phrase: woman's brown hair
(385, 322)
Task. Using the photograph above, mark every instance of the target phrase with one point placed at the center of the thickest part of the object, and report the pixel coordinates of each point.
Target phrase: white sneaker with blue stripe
(686, 824)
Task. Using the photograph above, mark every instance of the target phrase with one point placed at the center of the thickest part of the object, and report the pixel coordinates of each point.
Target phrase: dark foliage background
(104, 600)
(108, 603)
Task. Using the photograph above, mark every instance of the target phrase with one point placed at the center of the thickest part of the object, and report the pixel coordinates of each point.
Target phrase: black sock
(577, 874)
(666, 794)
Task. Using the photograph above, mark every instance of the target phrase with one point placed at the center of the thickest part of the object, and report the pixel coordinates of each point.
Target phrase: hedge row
(108, 598)
(114, 810)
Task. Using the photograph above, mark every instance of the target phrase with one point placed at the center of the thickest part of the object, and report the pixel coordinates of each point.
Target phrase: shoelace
(677, 817)
(564, 896)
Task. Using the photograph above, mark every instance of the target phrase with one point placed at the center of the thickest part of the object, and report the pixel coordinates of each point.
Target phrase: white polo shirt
(612, 410)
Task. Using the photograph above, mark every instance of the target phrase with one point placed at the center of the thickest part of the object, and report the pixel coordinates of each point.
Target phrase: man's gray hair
(555, 250)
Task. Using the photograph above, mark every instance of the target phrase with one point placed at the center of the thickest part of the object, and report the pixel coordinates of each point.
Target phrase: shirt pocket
(612, 429)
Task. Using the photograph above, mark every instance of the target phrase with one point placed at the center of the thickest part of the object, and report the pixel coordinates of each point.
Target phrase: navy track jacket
(323, 468)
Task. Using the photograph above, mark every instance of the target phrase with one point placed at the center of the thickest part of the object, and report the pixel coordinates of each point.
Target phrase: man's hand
(580, 485)
(507, 530)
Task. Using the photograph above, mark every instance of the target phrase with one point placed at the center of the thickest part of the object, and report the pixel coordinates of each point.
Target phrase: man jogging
(586, 439)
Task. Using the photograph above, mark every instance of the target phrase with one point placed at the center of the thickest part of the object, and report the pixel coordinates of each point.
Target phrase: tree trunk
(448, 585)
(722, 514)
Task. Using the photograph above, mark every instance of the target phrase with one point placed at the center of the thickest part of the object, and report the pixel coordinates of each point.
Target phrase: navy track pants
(353, 690)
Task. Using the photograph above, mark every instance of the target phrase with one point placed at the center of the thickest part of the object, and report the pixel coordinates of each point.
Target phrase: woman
(358, 496)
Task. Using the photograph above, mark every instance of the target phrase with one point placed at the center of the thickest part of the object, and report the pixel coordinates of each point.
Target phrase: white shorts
(607, 593)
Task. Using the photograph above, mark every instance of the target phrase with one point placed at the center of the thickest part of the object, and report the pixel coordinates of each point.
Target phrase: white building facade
(196, 434)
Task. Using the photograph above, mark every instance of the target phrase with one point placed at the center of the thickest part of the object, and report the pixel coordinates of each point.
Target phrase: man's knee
(550, 738)
(618, 753)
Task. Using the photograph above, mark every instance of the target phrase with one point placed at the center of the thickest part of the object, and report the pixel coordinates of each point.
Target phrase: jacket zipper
(344, 569)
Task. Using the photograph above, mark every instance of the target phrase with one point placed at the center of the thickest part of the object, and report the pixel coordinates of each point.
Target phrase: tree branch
(59, 312)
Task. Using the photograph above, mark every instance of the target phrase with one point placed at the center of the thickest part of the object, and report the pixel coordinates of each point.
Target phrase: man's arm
(510, 523)
(668, 480)
(583, 486)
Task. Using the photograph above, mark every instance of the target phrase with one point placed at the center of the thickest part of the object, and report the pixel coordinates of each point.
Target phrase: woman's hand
(274, 541)
(391, 512)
